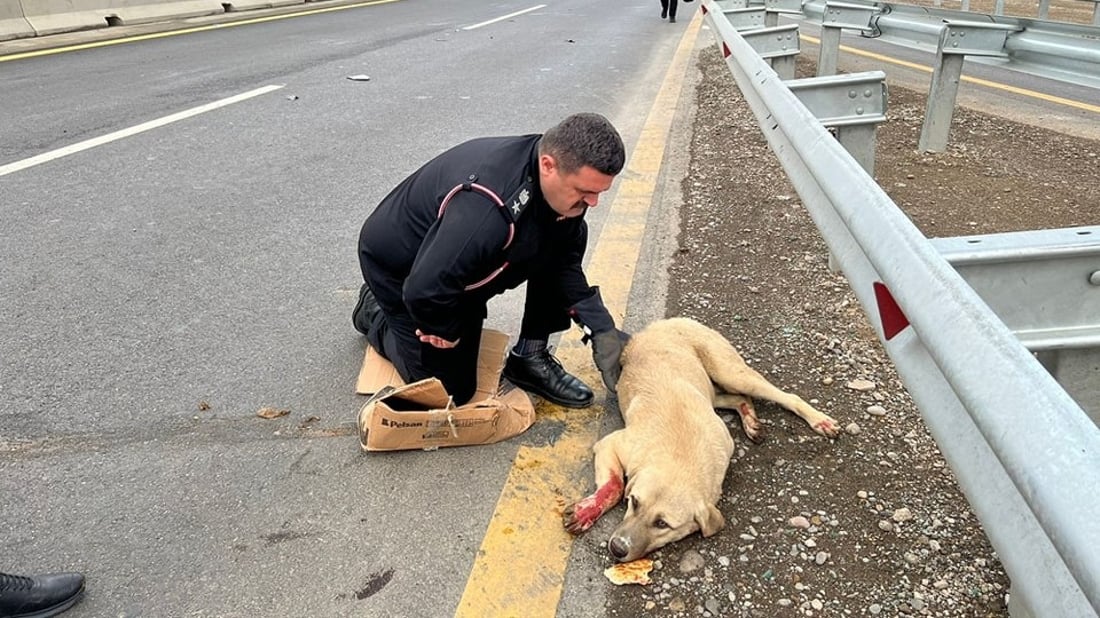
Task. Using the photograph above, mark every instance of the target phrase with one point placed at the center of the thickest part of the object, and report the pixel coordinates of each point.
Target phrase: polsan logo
(389, 422)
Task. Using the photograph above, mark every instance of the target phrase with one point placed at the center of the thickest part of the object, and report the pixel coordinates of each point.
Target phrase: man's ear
(547, 163)
(710, 520)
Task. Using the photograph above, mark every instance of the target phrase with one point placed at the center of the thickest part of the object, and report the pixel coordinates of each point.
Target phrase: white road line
(134, 130)
(502, 18)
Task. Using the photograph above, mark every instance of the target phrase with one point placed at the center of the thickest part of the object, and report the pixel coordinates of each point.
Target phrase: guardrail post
(836, 17)
(774, 8)
(957, 40)
(1045, 286)
(778, 45)
(746, 19)
(852, 105)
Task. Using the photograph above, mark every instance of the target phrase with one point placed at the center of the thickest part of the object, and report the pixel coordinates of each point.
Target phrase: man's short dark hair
(585, 139)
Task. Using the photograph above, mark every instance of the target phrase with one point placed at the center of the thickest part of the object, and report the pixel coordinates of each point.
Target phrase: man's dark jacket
(420, 263)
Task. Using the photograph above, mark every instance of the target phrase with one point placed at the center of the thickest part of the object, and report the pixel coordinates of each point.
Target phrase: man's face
(570, 195)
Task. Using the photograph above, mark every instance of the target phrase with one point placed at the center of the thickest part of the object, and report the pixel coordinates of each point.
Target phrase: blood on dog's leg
(609, 488)
(744, 407)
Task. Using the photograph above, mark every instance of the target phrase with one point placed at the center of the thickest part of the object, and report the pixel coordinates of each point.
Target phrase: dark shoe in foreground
(542, 374)
(365, 310)
(40, 596)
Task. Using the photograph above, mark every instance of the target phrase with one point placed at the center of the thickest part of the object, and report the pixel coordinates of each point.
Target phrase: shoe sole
(527, 386)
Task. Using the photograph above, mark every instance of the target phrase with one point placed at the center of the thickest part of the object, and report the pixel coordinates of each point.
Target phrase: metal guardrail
(1055, 50)
(1024, 453)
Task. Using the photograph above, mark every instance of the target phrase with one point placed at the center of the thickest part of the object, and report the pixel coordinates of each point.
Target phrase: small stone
(885, 525)
(876, 411)
(799, 521)
(821, 557)
(861, 385)
(827, 380)
(852, 429)
(784, 602)
(817, 604)
(724, 560)
(677, 605)
(810, 543)
(862, 495)
(875, 609)
(650, 605)
(691, 561)
(902, 514)
(711, 606)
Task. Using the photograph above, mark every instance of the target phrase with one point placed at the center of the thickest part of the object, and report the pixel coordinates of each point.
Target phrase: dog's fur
(674, 450)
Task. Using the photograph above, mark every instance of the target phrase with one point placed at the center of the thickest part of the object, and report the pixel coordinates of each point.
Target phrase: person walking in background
(668, 9)
(39, 596)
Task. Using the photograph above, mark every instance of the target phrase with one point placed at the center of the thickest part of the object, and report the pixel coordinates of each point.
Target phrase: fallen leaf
(270, 413)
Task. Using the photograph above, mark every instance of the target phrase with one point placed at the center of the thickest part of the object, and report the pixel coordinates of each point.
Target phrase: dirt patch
(872, 523)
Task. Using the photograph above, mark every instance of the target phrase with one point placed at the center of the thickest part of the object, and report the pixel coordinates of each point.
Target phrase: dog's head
(660, 511)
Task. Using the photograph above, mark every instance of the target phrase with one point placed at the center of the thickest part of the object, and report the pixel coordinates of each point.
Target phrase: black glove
(607, 341)
(607, 351)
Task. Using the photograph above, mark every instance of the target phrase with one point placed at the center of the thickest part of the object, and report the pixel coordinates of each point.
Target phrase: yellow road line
(972, 80)
(520, 566)
(161, 35)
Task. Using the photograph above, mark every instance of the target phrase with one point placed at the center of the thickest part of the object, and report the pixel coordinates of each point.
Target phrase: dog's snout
(618, 547)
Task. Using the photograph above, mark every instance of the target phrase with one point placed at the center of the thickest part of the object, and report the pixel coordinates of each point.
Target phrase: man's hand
(435, 341)
(607, 349)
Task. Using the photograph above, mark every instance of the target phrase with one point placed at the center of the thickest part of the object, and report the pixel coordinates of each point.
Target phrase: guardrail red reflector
(893, 320)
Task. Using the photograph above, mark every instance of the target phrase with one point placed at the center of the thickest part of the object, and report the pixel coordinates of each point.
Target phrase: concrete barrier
(54, 16)
(12, 23)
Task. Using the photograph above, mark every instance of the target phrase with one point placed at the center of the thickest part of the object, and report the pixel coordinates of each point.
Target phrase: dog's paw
(750, 423)
(826, 426)
(581, 516)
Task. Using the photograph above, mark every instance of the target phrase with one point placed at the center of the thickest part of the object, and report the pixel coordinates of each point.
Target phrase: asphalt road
(211, 261)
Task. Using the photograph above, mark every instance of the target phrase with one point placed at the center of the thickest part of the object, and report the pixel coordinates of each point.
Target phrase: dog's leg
(609, 487)
(744, 407)
(753, 384)
(732, 374)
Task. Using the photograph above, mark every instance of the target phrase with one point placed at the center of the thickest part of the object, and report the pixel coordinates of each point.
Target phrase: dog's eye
(662, 524)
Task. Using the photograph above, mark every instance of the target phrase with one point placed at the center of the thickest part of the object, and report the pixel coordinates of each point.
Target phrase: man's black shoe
(40, 596)
(542, 374)
(365, 310)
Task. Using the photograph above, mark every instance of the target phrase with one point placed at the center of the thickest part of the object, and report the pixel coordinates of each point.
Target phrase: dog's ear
(710, 520)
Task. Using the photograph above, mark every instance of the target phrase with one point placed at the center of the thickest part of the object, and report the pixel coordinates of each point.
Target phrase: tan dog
(674, 450)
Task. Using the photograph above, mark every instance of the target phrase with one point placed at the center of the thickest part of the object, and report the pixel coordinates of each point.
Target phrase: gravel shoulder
(872, 523)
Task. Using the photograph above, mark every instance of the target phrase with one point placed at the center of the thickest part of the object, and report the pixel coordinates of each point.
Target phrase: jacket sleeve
(460, 248)
(571, 279)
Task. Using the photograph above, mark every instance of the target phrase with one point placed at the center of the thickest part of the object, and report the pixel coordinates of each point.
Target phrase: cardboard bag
(422, 415)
